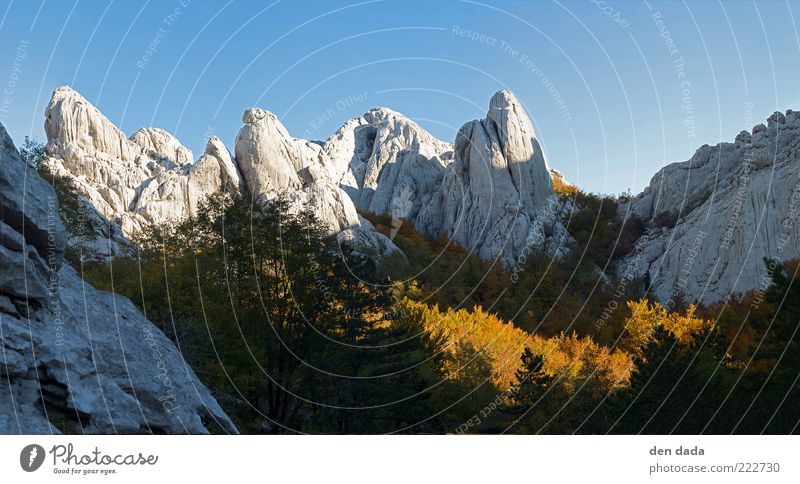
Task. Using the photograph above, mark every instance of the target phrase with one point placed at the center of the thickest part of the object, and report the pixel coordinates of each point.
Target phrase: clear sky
(616, 89)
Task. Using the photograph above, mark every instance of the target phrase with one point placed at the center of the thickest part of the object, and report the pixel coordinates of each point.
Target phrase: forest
(295, 333)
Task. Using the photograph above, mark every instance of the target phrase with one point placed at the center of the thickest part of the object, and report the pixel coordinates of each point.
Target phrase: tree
(532, 380)
(32, 151)
(677, 386)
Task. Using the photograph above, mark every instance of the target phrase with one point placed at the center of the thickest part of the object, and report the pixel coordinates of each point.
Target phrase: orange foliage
(646, 316)
(479, 341)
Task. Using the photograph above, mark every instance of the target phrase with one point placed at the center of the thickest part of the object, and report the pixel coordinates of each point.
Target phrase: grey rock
(74, 357)
(28, 204)
(496, 198)
(715, 217)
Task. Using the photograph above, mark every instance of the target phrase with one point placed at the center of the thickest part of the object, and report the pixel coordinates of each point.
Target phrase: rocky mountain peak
(488, 191)
(152, 178)
(714, 217)
(496, 197)
(74, 127)
(253, 115)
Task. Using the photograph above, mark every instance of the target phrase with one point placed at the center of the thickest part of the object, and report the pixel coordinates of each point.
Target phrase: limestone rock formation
(177, 193)
(268, 156)
(386, 162)
(715, 217)
(496, 197)
(711, 219)
(83, 359)
(151, 178)
(490, 192)
(381, 138)
(163, 143)
(272, 162)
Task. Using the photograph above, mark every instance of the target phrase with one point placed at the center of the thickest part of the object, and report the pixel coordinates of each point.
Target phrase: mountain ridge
(491, 190)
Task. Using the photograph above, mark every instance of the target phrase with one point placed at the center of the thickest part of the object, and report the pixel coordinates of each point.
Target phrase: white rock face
(716, 216)
(150, 178)
(94, 361)
(146, 179)
(491, 192)
(387, 163)
(72, 123)
(496, 197)
(712, 218)
(176, 194)
(163, 143)
(391, 140)
(345, 152)
(272, 162)
(268, 157)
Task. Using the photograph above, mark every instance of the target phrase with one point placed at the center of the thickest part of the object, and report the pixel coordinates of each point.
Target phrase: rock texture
(72, 357)
(497, 196)
(490, 192)
(711, 219)
(378, 145)
(272, 163)
(151, 178)
(715, 217)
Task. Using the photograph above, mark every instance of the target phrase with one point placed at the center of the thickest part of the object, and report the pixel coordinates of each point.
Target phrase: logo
(31, 457)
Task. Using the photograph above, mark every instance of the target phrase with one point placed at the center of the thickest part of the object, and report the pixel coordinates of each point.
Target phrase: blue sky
(615, 89)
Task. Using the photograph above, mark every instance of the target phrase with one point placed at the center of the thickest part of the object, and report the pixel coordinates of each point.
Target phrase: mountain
(490, 191)
(75, 358)
(715, 217)
(710, 220)
(150, 178)
(497, 197)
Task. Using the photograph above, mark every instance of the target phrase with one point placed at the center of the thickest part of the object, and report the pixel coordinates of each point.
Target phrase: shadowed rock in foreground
(72, 357)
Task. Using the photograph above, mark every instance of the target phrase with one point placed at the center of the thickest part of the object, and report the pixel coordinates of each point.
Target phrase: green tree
(32, 151)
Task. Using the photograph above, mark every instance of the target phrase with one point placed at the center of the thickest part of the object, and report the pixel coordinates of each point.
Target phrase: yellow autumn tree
(646, 316)
(481, 346)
